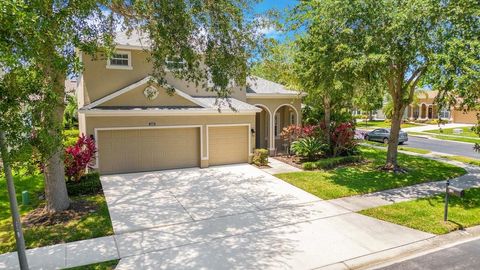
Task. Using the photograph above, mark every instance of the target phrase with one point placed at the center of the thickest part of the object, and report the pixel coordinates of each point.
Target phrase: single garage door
(137, 150)
(470, 117)
(227, 145)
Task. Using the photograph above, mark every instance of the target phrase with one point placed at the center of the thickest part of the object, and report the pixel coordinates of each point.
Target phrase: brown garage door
(122, 151)
(227, 145)
(469, 117)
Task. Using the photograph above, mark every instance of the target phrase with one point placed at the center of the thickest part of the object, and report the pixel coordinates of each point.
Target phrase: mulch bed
(41, 217)
(290, 160)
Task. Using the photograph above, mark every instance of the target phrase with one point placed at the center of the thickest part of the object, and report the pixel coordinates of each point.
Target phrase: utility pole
(17, 225)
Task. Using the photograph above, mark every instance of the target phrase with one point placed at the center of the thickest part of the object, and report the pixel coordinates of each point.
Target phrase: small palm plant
(308, 148)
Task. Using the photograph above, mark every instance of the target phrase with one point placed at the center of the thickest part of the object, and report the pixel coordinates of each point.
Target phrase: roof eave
(275, 95)
(131, 47)
(160, 112)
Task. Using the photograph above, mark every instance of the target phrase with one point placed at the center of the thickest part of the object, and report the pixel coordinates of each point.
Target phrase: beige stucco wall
(470, 117)
(143, 121)
(136, 97)
(99, 81)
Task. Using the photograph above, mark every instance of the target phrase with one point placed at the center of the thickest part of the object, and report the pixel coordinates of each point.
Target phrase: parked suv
(383, 135)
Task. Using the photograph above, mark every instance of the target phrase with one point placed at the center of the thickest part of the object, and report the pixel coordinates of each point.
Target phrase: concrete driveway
(236, 217)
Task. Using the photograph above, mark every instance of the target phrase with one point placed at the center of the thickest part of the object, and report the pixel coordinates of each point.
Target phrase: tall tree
(455, 68)
(368, 98)
(277, 64)
(211, 36)
(395, 42)
(44, 35)
(317, 65)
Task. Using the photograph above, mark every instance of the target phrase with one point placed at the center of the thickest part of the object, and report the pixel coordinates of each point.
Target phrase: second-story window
(120, 60)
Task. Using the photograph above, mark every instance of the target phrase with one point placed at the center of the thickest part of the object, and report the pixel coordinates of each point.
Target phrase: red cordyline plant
(343, 139)
(295, 132)
(79, 157)
(310, 130)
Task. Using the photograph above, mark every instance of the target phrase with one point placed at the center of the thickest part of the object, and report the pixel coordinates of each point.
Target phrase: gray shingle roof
(135, 38)
(257, 85)
(138, 108)
(226, 104)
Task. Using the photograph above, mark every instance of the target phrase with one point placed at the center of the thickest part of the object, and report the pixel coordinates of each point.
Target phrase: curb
(398, 254)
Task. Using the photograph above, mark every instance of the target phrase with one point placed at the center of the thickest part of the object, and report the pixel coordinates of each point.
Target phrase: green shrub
(437, 121)
(70, 137)
(309, 166)
(260, 157)
(308, 148)
(87, 185)
(388, 121)
(330, 163)
(71, 132)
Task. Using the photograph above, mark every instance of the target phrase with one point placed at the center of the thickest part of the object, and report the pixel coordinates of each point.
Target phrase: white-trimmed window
(277, 125)
(120, 60)
(175, 63)
(444, 113)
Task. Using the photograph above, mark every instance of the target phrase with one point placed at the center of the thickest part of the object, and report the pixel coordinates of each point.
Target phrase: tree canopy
(215, 38)
(397, 45)
(277, 64)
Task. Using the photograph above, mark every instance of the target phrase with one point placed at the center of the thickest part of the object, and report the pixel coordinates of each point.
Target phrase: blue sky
(279, 5)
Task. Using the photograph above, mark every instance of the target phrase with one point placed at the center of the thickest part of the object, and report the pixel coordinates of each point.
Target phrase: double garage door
(137, 150)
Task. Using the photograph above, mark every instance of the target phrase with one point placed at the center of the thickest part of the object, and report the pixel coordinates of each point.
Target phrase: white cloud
(270, 31)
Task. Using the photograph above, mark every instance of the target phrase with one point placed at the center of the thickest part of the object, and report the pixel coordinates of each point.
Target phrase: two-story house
(138, 126)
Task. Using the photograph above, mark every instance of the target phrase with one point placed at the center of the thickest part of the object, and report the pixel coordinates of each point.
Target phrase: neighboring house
(70, 87)
(138, 126)
(426, 109)
(375, 115)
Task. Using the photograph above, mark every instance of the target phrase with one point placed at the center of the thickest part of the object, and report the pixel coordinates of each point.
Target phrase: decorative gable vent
(150, 92)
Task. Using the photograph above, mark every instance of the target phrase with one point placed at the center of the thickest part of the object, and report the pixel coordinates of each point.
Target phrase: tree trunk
(327, 119)
(398, 110)
(54, 172)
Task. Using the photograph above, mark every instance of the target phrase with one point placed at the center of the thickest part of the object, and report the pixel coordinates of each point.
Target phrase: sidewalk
(277, 166)
(386, 197)
(65, 255)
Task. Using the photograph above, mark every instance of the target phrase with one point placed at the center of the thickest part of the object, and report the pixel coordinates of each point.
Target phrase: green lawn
(92, 225)
(414, 150)
(467, 132)
(457, 139)
(367, 178)
(466, 139)
(463, 159)
(427, 214)
(381, 124)
(110, 265)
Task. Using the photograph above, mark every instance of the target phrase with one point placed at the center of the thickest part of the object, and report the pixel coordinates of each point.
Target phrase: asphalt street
(463, 256)
(443, 146)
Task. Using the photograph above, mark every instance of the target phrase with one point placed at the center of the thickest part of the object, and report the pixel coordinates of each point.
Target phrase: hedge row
(330, 163)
